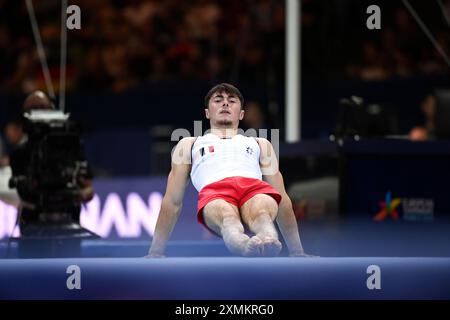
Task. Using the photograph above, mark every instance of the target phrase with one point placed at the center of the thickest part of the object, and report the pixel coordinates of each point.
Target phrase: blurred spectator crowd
(122, 44)
(126, 43)
(337, 43)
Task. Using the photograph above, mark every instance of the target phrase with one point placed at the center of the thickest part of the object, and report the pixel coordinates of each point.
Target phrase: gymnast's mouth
(225, 111)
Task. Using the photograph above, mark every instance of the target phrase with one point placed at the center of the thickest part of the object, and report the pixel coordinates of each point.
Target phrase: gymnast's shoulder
(181, 153)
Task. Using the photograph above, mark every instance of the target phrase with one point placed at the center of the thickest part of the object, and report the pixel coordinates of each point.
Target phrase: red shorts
(234, 190)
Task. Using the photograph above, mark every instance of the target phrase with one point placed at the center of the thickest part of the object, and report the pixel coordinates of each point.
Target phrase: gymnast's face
(224, 110)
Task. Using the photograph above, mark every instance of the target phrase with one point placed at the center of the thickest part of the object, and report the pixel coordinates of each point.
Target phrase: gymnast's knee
(231, 222)
(261, 216)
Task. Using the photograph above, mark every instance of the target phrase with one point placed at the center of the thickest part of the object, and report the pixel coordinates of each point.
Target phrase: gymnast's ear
(207, 113)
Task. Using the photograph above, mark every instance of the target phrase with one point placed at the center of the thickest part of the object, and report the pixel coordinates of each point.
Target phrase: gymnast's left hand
(153, 255)
(302, 254)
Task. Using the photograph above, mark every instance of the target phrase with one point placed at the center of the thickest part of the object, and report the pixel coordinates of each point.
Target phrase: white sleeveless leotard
(215, 158)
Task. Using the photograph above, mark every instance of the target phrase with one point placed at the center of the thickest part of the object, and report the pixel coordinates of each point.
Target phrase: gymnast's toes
(254, 247)
(271, 247)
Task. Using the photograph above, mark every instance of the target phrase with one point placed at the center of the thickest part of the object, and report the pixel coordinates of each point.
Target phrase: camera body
(51, 168)
(358, 119)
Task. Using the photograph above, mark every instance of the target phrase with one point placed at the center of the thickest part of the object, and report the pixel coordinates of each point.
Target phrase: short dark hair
(228, 89)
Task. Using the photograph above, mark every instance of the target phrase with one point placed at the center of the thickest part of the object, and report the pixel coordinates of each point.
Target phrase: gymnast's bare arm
(285, 218)
(173, 198)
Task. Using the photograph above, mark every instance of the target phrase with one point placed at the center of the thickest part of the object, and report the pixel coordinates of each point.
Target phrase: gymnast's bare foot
(257, 247)
(253, 247)
(271, 247)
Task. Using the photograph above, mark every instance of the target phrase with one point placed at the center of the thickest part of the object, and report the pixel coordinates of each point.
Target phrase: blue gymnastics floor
(412, 259)
(346, 238)
(226, 278)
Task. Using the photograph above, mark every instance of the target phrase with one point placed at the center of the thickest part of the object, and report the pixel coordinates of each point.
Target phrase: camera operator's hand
(4, 161)
(27, 205)
(87, 191)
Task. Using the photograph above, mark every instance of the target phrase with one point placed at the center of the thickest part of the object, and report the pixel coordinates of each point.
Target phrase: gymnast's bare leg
(258, 213)
(224, 219)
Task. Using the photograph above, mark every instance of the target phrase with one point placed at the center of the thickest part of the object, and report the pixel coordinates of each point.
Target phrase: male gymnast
(240, 186)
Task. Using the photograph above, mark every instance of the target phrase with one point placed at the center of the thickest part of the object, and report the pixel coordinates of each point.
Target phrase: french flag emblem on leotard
(210, 150)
